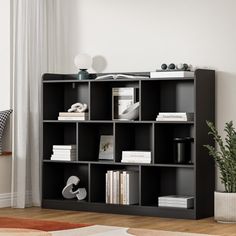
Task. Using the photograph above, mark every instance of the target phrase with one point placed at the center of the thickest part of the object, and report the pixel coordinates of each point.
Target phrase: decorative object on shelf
(171, 74)
(68, 191)
(4, 115)
(171, 66)
(175, 116)
(64, 153)
(164, 66)
(120, 76)
(83, 62)
(78, 107)
(225, 158)
(182, 150)
(122, 99)
(131, 113)
(178, 201)
(183, 66)
(136, 157)
(76, 112)
(106, 147)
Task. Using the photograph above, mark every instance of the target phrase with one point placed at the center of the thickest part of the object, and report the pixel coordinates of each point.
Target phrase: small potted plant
(225, 158)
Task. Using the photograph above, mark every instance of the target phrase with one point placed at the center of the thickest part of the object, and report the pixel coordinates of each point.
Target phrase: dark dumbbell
(171, 66)
(163, 66)
(185, 66)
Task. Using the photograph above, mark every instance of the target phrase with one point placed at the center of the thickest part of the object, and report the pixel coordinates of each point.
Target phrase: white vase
(225, 207)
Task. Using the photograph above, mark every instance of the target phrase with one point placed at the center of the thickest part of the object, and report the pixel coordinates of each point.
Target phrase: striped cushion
(3, 120)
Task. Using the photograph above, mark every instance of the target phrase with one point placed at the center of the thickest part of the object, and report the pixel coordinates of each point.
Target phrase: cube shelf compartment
(162, 176)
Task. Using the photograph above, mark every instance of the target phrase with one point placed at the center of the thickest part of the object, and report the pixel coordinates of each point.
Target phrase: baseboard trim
(5, 200)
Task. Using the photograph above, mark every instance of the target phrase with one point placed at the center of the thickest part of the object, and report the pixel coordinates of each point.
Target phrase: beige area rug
(100, 230)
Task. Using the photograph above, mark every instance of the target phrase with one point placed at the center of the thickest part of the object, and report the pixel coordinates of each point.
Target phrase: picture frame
(106, 148)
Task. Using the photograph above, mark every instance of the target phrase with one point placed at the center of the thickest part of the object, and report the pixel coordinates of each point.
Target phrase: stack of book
(175, 116)
(136, 157)
(64, 153)
(122, 99)
(122, 187)
(176, 201)
(171, 74)
(73, 116)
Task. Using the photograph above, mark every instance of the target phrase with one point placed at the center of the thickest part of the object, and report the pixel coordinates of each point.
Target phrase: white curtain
(35, 50)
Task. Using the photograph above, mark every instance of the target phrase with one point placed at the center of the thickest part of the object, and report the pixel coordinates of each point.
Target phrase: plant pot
(225, 207)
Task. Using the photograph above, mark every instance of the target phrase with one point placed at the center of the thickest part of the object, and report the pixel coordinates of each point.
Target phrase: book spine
(136, 161)
(129, 154)
(107, 198)
(172, 119)
(127, 189)
(117, 187)
(71, 118)
(124, 188)
(73, 114)
(110, 177)
(121, 188)
(114, 187)
(64, 147)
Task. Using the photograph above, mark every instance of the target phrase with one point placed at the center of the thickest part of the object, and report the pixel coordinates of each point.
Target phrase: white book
(71, 118)
(67, 147)
(171, 74)
(182, 114)
(54, 158)
(172, 119)
(136, 154)
(107, 189)
(121, 187)
(73, 114)
(125, 188)
(134, 160)
(64, 152)
(120, 76)
(174, 205)
(110, 176)
(64, 155)
(179, 198)
(116, 176)
(123, 91)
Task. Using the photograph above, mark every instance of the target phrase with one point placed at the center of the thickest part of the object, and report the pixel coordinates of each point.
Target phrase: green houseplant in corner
(225, 158)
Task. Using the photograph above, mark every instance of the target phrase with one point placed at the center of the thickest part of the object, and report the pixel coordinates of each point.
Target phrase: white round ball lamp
(83, 62)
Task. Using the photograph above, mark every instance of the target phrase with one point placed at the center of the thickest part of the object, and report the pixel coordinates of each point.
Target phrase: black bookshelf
(161, 177)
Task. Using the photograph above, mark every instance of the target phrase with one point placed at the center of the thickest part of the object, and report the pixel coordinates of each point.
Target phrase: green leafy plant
(225, 154)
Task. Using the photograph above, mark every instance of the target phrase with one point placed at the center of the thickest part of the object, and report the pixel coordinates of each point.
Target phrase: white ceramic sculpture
(68, 192)
(130, 113)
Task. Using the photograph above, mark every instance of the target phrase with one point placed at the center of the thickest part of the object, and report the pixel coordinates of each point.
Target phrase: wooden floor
(207, 226)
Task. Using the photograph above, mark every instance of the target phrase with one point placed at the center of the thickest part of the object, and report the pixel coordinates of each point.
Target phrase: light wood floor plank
(207, 226)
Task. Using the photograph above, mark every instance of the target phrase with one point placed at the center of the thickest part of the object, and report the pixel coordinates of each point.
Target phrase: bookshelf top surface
(72, 78)
(113, 80)
(119, 121)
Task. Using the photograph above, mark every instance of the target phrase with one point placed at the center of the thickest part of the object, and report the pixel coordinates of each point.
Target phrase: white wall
(5, 162)
(139, 35)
